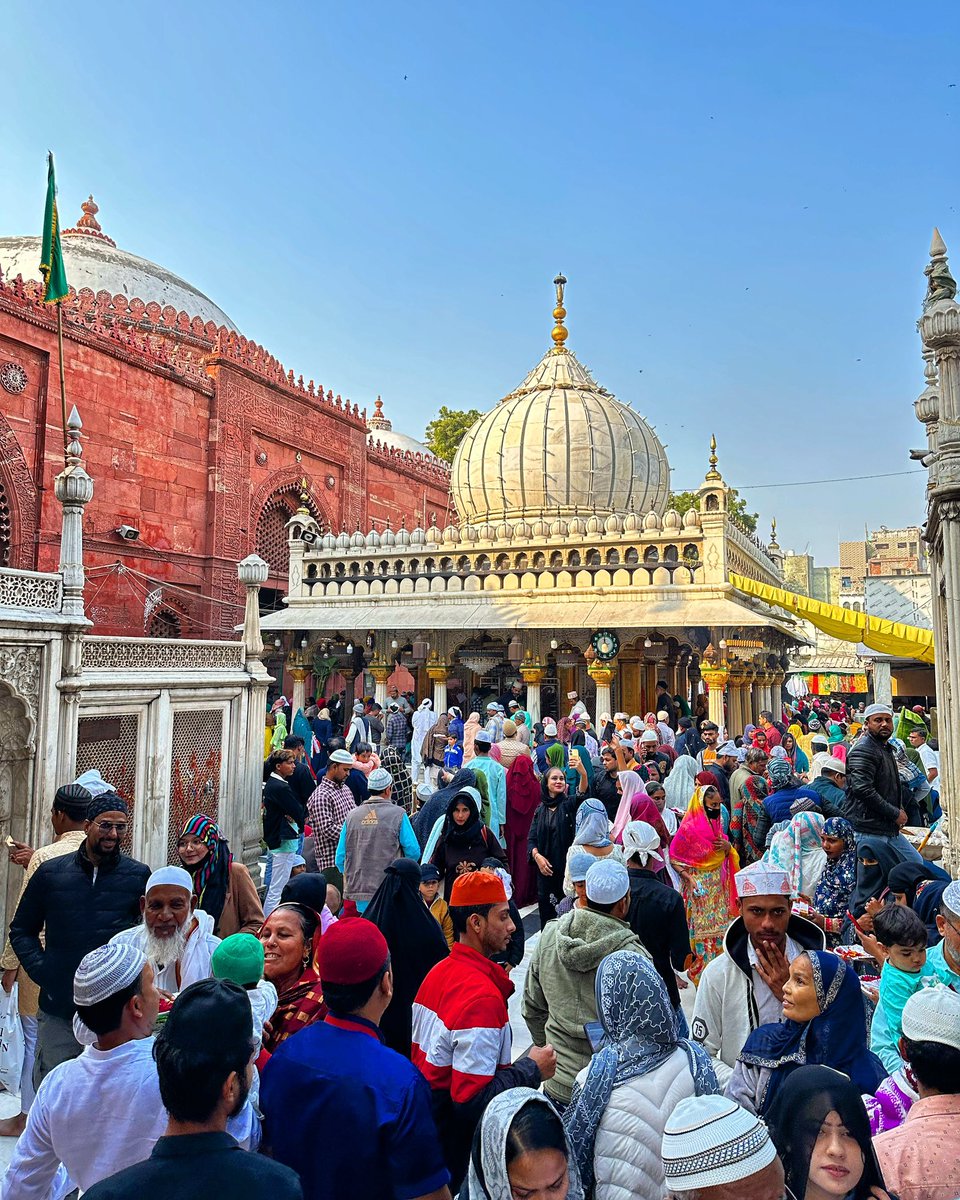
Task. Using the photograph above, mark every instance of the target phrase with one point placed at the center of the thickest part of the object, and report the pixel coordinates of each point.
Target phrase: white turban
(642, 840)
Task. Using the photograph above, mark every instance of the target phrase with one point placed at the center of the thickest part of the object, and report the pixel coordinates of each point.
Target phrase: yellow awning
(886, 637)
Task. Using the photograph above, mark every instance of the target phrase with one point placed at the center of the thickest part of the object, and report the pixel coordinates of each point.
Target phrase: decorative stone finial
(941, 284)
(304, 509)
(378, 420)
(88, 224)
(74, 449)
(559, 333)
(713, 473)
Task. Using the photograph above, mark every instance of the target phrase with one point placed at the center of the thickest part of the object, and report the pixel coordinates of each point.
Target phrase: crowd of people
(367, 994)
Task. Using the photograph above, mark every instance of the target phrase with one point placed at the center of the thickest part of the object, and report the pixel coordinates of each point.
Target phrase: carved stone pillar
(437, 672)
(776, 694)
(735, 700)
(746, 699)
(716, 679)
(603, 675)
(381, 673)
(252, 572)
(299, 687)
(532, 674)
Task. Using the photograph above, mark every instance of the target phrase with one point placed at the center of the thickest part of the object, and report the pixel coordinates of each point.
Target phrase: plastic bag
(11, 1041)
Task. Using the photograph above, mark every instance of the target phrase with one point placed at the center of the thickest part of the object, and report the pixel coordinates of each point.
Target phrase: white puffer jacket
(626, 1156)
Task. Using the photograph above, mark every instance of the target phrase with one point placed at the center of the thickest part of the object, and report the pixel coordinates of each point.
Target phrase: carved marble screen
(195, 770)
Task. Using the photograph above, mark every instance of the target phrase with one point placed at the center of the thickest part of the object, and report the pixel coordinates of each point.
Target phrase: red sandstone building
(196, 438)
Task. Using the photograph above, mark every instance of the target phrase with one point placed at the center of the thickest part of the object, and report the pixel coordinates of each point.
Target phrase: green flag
(55, 286)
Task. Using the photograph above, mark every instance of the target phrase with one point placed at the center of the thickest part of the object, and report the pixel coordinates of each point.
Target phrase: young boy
(430, 892)
(902, 939)
(452, 755)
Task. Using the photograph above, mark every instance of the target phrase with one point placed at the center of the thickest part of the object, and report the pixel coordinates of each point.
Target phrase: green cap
(238, 958)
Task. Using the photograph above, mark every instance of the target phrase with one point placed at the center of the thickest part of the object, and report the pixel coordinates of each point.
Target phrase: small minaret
(773, 549)
(73, 487)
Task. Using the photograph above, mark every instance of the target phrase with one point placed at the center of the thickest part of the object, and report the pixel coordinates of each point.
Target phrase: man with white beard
(176, 937)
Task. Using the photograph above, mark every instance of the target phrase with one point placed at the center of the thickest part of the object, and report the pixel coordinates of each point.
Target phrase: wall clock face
(605, 644)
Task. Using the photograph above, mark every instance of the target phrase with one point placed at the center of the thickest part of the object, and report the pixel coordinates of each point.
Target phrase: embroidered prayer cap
(648, 736)
(636, 723)
(761, 879)
(106, 802)
(605, 718)
(343, 757)
(482, 738)
(878, 710)
(429, 873)
(620, 716)
(571, 695)
(813, 723)
(379, 780)
(641, 838)
(170, 877)
(211, 1018)
(607, 881)
(779, 770)
(74, 800)
(951, 897)
(711, 1140)
(105, 971)
(477, 887)
(355, 953)
(549, 729)
(819, 739)
(424, 791)
(661, 716)
(509, 728)
(580, 863)
(513, 704)
(492, 706)
(238, 958)
(728, 748)
(625, 739)
(583, 719)
(833, 764)
(933, 1015)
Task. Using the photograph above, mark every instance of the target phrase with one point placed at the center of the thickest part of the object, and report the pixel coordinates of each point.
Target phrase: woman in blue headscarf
(824, 1024)
(832, 897)
(642, 1057)
(592, 834)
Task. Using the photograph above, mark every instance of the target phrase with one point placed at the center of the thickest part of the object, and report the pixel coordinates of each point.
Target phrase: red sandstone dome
(196, 437)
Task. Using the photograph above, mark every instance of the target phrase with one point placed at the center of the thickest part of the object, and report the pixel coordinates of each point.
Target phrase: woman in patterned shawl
(832, 897)
(640, 1036)
(289, 936)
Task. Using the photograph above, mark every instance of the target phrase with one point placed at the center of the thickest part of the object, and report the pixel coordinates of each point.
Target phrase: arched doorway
(272, 542)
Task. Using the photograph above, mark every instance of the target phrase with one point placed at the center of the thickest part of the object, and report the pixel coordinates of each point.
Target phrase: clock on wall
(605, 644)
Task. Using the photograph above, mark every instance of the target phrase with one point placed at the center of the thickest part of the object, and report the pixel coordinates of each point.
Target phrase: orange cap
(477, 887)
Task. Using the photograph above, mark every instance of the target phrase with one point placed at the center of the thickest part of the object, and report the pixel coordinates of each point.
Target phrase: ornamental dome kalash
(93, 261)
(558, 445)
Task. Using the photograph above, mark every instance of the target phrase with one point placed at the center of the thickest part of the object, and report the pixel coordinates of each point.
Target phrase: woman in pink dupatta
(702, 854)
(636, 805)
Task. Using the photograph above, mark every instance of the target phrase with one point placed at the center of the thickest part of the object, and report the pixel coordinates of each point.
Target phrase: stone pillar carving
(776, 694)
(437, 673)
(381, 673)
(532, 674)
(716, 678)
(882, 682)
(299, 688)
(746, 699)
(603, 675)
(74, 489)
(735, 700)
(252, 573)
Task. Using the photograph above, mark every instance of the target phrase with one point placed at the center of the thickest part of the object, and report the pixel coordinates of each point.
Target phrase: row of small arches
(672, 556)
(620, 577)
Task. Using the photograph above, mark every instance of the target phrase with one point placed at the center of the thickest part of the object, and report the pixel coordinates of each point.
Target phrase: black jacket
(281, 812)
(874, 796)
(185, 1166)
(303, 783)
(79, 914)
(658, 917)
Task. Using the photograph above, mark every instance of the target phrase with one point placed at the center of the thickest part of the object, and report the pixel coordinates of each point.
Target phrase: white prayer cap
(648, 736)
(95, 783)
(641, 839)
(607, 881)
(728, 748)
(933, 1015)
(762, 879)
(834, 764)
(550, 729)
(579, 864)
(636, 722)
(951, 897)
(604, 718)
(379, 780)
(878, 710)
(620, 717)
(492, 706)
(818, 739)
(343, 757)
(424, 791)
(661, 716)
(711, 1140)
(358, 707)
(571, 695)
(170, 877)
(105, 971)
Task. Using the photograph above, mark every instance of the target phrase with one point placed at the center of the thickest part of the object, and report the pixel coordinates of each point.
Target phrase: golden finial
(713, 473)
(774, 544)
(559, 333)
(304, 510)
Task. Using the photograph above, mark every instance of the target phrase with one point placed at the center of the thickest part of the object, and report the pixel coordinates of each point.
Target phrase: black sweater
(79, 913)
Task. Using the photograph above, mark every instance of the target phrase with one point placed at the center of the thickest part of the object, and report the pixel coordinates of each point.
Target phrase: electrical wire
(747, 487)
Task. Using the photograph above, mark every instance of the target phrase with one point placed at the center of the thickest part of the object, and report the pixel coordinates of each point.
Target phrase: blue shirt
(350, 1116)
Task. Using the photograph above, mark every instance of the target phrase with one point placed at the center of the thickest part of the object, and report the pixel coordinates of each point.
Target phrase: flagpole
(63, 384)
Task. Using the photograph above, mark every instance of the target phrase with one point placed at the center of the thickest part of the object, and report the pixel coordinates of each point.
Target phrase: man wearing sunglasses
(78, 901)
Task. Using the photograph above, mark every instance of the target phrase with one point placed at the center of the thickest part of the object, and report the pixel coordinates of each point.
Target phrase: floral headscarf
(798, 850)
(839, 875)
(641, 1032)
(592, 825)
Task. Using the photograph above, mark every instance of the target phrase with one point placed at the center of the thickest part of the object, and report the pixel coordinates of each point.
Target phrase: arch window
(463, 564)
(613, 557)
(368, 568)
(575, 560)
(690, 553)
(632, 556)
(521, 562)
(593, 558)
(651, 555)
(384, 567)
(354, 570)
(446, 564)
(556, 559)
(670, 555)
(503, 562)
(271, 539)
(483, 563)
(165, 623)
(540, 560)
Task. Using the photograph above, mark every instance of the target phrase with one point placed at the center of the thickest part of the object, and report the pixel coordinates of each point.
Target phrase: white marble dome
(559, 444)
(93, 261)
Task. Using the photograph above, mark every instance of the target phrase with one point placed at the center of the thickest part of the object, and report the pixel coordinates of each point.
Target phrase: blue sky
(740, 195)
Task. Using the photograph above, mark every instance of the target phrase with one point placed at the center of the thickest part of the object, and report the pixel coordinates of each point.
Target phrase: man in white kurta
(176, 937)
(424, 720)
(101, 1112)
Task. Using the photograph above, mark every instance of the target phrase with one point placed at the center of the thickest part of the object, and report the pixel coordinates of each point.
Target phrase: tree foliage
(736, 506)
(445, 432)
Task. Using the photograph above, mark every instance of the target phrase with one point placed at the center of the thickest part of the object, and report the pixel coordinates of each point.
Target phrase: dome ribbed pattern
(559, 443)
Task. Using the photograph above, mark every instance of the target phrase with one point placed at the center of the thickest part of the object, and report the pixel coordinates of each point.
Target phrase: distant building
(897, 552)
